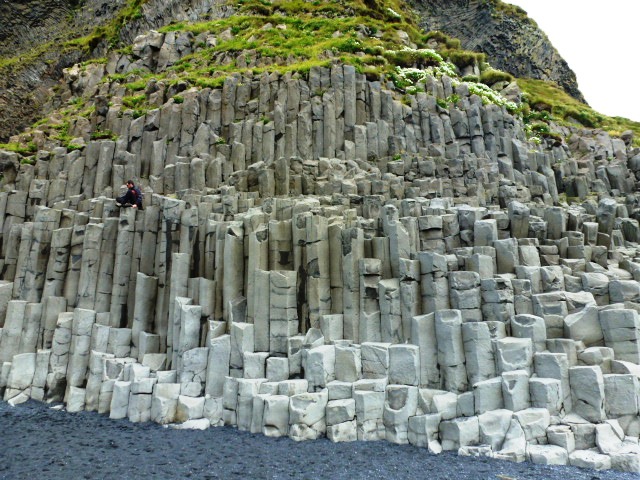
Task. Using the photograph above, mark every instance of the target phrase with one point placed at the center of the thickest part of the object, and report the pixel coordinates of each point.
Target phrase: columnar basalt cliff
(324, 254)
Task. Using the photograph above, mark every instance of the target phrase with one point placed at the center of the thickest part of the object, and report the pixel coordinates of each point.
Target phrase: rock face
(323, 255)
(511, 40)
(25, 84)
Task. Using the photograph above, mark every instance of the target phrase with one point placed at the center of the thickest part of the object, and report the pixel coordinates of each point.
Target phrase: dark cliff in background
(511, 40)
(39, 38)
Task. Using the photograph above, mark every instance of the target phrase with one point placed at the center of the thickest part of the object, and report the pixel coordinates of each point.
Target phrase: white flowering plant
(393, 14)
(489, 95)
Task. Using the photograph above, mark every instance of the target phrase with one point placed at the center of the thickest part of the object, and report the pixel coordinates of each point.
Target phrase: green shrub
(443, 39)
(471, 78)
(19, 148)
(134, 101)
(492, 76)
(103, 135)
(464, 58)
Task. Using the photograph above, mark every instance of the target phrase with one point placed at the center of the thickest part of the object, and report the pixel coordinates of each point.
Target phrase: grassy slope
(547, 97)
(363, 33)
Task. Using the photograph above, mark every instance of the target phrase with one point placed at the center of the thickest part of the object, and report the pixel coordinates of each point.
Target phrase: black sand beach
(40, 442)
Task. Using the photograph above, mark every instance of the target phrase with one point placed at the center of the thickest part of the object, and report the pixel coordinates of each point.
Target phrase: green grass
(547, 101)
(19, 148)
(507, 9)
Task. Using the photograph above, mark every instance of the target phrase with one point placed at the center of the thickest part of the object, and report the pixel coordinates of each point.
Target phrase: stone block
(590, 460)
(587, 392)
(459, 432)
(343, 432)
(514, 354)
(375, 359)
(547, 455)
(493, 427)
(534, 423)
(340, 411)
(621, 395)
(404, 364)
(424, 432)
(546, 393)
(488, 395)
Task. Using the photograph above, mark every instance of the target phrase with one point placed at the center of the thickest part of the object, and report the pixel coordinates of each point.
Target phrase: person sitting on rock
(132, 197)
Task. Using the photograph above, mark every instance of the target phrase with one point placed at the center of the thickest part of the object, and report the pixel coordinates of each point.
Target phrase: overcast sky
(599, 40)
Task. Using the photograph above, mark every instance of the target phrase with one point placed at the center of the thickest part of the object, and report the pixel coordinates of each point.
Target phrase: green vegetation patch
(547, 101)
(19, 148)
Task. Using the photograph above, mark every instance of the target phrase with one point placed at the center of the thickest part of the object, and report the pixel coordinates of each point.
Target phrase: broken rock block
(400, 404)
(423, 432)
(547, 455)
(514, 354)
(589, 459)
(494, 426)
(587, 392)
(514, 446)
(404, 365)
(621, 329)
(369, 412)
(275, 416)
(307, 415)
(459, 432)
(343, 432)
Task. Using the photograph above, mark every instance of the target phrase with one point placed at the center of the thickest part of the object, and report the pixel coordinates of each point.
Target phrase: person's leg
(129, 198)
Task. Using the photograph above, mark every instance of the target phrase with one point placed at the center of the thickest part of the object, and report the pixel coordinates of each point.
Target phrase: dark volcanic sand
(40, 443)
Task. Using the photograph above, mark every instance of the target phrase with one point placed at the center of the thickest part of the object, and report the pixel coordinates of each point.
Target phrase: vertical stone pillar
(122, 269)
(44, 222)
(52, 307)
(90, 266)
(168, 244)
(218, 365)
(233, 285)
(399, 244)
(352, 252)
(261, 301)
(75, 263)
(107, 260)
(12, 330)
(59, 359)
(257, 260)
(410, 297)
(144, 308)
(188, 333)
(314, 266)
(26, 240)
(434, 284)
(103, 170)
(57, 265)
(390, 311)
(334, 232)
(423, 334)
(369, 328)
(451, 350)
(30, 328)
(283, 315)
(178, 289)
(220, 233)
(280, 245)
(478, 352)
(79, 350)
